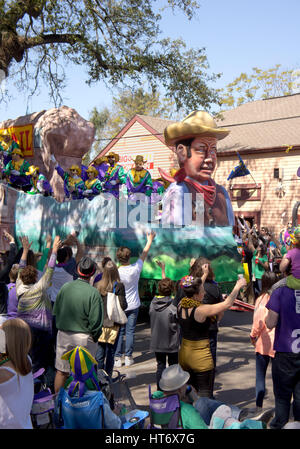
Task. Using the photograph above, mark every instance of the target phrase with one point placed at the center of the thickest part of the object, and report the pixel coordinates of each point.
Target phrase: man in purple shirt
(284, 315)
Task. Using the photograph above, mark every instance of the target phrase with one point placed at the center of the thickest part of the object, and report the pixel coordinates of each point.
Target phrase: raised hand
(8, 236)
(56, 244)
(160, 264)
(25, 243)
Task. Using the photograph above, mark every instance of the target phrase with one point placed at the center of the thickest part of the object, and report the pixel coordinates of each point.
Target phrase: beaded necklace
(3, 359)
(187, 303)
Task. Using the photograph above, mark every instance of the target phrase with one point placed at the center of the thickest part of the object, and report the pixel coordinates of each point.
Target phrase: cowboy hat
(140, 158)
(32, 169)
(173, 378)
(92, 169)
(5, 133)
(115, 155)
(17, 151)
(100, 160)
(198, 123)
(77, 168)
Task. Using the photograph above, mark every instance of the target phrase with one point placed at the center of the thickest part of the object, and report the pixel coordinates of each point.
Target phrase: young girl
(292, 257)
(16, 379)
(262, 338)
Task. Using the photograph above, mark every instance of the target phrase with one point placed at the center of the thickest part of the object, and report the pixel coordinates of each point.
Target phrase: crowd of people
(105, 175)
(54, 305)
(262, 251)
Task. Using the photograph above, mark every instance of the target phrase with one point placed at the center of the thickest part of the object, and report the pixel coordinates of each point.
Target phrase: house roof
(268, 124)
(262, 124)
(158, 124)
(155, 125)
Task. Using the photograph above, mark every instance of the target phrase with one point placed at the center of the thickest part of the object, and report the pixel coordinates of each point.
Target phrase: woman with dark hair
(197, 270)
(213, 295)
(194, 320)
(107, 342)
(262, 338)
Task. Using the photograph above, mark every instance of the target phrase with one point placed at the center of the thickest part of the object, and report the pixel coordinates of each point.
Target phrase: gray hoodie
(164, 325)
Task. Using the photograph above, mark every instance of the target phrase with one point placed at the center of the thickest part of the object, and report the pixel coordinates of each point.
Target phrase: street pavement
(235, 375)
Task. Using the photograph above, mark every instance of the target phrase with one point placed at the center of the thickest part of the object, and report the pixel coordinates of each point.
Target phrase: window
(245, 192)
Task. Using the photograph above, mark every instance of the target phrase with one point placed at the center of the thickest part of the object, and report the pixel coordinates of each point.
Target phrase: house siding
(261, 166)
(137, 140)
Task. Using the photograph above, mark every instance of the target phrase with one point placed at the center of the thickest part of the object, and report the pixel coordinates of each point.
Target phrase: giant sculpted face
(201, 160)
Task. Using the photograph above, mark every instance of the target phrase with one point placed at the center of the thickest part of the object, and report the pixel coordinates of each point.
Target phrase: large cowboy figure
(195, 140)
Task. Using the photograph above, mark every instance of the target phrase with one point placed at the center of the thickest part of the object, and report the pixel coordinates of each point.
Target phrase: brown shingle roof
(159, 124)
(270, 123)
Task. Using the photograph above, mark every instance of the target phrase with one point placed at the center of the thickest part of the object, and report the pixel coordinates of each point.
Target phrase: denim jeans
(105, 356)
(286, 385)
(161, 360)
(128, 330)
(207, 406)
(262, 362)
(257, 287)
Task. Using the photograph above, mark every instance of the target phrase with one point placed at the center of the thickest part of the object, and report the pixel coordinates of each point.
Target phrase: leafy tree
(109, 121)
(260, 84)
(117, 41)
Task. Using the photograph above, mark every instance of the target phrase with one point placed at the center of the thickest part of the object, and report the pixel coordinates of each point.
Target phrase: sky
(237, 35)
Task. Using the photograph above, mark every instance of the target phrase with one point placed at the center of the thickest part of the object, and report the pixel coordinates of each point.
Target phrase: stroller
(117, 390)
(42, 410)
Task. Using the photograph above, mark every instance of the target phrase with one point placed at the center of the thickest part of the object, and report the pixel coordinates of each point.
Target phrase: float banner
(98, 228)
(24, 136)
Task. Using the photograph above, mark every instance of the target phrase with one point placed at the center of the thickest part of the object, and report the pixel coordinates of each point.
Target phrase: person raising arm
(207, 310)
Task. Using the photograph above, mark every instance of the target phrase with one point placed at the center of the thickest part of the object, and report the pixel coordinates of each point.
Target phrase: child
(164, 327)
(292, 257)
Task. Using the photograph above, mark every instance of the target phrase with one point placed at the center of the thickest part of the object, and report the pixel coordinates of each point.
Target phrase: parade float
(192, 218)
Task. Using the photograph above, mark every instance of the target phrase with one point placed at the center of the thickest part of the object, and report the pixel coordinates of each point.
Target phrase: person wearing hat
(15, 170)
(38, 182)
(73, 183)
(114, 175)
(7, 145)
(291, 260)
(83, 383)
(174, 381)
(101, 165)
(195, 141)
(78, 311)
(204, 412)
(138, 179)
(92, 185)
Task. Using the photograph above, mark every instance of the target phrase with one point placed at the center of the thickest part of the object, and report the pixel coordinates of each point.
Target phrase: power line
(227, 126)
